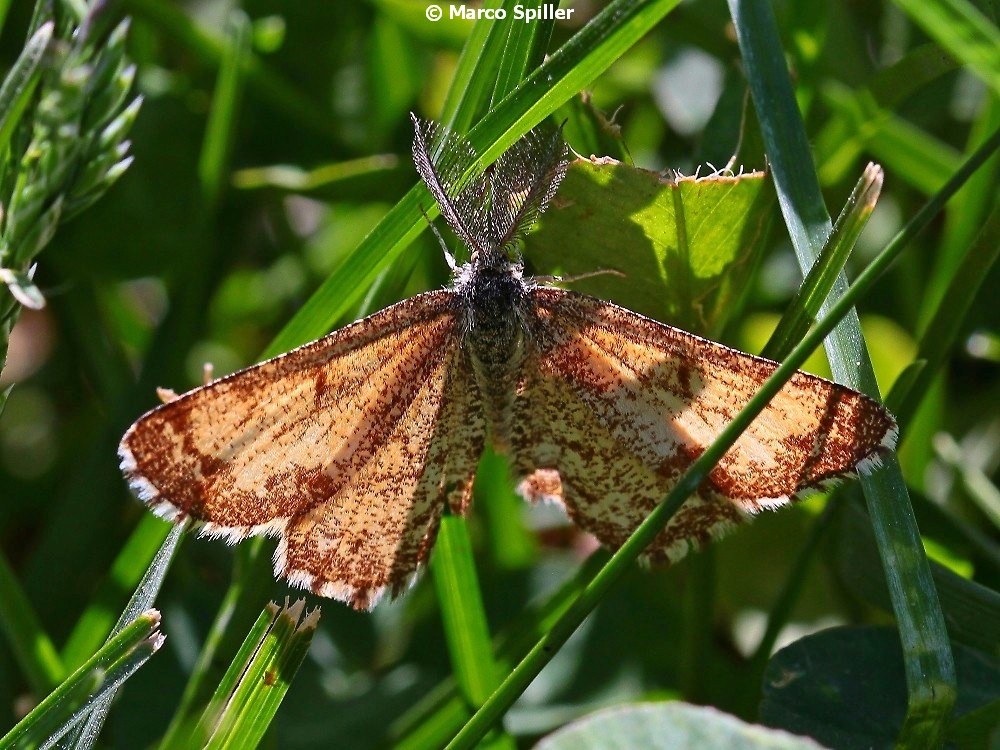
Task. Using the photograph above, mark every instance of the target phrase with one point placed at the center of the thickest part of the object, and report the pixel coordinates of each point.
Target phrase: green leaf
(682, 247)
(844, 686)
(665, 726)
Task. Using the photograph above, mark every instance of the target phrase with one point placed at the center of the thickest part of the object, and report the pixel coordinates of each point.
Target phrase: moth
(348, 449)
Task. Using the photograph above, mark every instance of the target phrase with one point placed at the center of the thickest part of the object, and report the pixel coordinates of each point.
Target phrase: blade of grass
(478, 65)
(227, 685)
(466, 630)
(30, 644)
(839, 144)
(525, 49)
(435, 720)
(84, 736)
(939, 338)
(243, 598)
(131, 565)
(213, 163)
(966, 212)
(907, 151)
(209, 48)
(960, 28)
(930, 670)
(296, 180)
(4, 8)
(784, 603)
(972, 609)
(263, 669)
(698, 615)
(793, 325)
(976, 486)
(806, 304)
(522, 675)
(19, 83)
(67, 704)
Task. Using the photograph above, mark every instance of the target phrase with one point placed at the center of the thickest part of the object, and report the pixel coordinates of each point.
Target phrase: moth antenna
(448, 255)
(442, 158)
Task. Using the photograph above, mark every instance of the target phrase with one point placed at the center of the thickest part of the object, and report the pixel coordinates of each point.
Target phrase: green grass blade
(945, 324)
(966, 212)
(209, 49)
(96, 623)
(4, 8)
(19, 83)
(466, 630)
(959, 27)
(242, 600)
(105, 671)
(808, 301)
(976, 485)
(781, 610)
(213, 164)
(476, 74)
(435, 720)
(287, 177)
(28, 641)
(929, 665)
(85, 736)
(972, 609)
(196, 730)
(525, 49)
(264, 680)
(906, 151)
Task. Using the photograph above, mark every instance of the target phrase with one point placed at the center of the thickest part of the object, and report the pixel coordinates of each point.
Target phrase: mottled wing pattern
(613, 407)
(346, 448)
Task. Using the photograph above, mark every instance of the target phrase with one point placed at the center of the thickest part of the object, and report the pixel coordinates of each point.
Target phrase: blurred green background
(166, 273)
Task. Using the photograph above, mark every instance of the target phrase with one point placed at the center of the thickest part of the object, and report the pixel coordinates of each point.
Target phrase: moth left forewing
(343, 448)
(662, 396)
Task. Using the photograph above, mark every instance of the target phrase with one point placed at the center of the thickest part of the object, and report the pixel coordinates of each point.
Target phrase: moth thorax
(494, 324)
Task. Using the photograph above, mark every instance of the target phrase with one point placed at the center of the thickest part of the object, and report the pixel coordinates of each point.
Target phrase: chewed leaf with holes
(686, 246)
